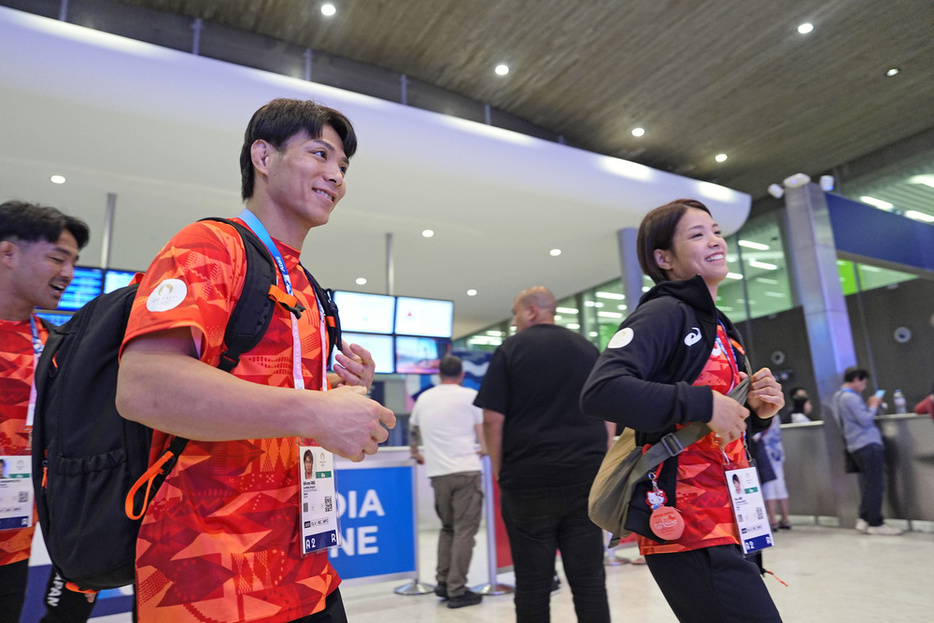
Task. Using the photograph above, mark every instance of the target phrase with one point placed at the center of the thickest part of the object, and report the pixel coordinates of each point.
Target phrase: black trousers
(333, 611)
(713, 585)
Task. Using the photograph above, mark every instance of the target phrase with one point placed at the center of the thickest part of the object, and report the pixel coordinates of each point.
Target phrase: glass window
(758, 283)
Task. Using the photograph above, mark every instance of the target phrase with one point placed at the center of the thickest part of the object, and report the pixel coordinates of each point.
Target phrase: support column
(814, 263)
(629, 266)
(813, 259)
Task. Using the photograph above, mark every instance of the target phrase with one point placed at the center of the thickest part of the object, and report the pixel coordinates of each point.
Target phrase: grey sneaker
(467, 598)
(883, 530)
(862, 525)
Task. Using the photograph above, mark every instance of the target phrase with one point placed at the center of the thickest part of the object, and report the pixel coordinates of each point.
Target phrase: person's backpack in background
(86, 457)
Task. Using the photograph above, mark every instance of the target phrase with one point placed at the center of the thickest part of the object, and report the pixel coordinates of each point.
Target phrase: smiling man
(38, 250)
(222, 539)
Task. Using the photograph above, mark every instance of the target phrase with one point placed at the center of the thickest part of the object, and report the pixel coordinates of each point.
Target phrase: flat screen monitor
(114, 279)
(87, 284)
(54, 317)
(380, 346)
(372, 313)
(429, 317)
(420, 355)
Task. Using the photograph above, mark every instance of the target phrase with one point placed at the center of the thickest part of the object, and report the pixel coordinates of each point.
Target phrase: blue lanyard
(260, 230)
(37, 347)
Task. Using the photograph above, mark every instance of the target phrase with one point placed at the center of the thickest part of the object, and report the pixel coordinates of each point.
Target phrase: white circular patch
(621, 338)
(168, 295)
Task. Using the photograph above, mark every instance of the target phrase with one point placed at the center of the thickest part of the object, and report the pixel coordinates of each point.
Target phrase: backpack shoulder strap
(250, 318)
(331, 318)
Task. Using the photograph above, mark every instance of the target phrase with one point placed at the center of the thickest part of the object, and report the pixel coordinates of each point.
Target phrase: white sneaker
(883, 530)
(862, 525)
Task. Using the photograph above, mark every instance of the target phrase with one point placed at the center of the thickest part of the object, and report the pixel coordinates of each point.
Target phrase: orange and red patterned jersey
(221, 540)
(16, 370)
(702, 494)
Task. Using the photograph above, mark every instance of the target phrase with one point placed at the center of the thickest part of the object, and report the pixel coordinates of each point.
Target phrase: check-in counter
(819, 486)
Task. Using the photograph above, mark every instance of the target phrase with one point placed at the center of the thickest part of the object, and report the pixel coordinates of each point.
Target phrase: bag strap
(675, 442)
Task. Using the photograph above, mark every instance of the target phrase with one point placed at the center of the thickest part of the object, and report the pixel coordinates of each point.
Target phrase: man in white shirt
(448, 424)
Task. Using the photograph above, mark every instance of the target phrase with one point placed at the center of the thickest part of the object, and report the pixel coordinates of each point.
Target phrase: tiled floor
(832, 575)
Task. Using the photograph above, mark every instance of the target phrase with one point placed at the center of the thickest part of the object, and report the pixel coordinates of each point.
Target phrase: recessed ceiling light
(361, 281)
(471, 292)
(877, 203)
(57, 179)
(749, 244)
(805, 28)
(555, 252)
(892, 72)
(637, 132)
(428, 233)
(919, 216)
(501, 69)
(328, 9)
(720, 157)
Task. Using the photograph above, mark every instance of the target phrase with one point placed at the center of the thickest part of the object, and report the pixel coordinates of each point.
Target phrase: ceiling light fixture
(428, 233)
(361, 281)
(328, 9)
(637, 132)
(720, 157)
(555, 252)
(763, 265)
(501, 69)
(57, 179)
(919, 216)
(877, 203)
(471, 292)
(749, 244)
(892, 72)
(805, 28)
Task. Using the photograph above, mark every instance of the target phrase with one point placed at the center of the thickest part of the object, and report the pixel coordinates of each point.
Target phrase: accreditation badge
(16, 495)
(320, 528)
(755, 533)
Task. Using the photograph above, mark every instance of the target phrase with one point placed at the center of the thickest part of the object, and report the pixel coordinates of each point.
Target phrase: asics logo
(693, 337)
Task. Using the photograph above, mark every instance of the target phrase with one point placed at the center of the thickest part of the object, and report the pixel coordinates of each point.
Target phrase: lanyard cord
(260, 230)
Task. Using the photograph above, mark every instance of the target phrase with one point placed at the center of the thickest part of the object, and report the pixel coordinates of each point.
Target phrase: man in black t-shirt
(545, 454)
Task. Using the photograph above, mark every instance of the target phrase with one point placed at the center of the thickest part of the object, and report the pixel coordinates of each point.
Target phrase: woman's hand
(765, 396)
(729, 418)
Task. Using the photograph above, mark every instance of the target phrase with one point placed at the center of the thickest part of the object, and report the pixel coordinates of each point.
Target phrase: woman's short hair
(657, 231)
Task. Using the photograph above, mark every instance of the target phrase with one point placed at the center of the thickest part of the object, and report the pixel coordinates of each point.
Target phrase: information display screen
(87, 284)
(54, 317)
(371, 313)
(380, 346)
(114, 279)
(420, 355)
(429, 317)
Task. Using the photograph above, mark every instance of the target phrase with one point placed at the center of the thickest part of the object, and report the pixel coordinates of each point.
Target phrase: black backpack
(87, 458)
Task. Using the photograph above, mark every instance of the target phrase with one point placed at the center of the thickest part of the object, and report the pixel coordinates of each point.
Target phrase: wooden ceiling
(702, 78)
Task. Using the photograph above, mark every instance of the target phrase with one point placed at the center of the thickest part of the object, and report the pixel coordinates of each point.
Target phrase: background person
(446, 421)
(545, 455)
(221, 539)
(857, 419)
(38, 249)
(671, 363)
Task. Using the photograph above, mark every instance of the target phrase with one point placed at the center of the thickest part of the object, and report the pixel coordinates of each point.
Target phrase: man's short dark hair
(31, 222)
(854, 373)
(280, 120)
(450, 367)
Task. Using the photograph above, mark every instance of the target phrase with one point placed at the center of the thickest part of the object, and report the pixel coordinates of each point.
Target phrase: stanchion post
(415, 587)
(492, 587)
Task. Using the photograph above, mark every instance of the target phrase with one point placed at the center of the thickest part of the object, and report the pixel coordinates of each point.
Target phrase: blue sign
(377, 522)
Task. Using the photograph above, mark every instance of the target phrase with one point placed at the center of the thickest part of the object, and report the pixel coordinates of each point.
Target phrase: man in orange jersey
(222, 539)
(38, 250)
